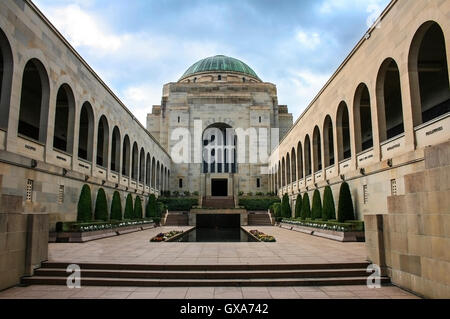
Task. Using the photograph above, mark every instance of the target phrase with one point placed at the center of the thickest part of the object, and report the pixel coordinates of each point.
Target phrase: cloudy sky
(137, 46)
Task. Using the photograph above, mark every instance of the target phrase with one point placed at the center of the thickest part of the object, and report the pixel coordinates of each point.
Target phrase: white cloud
(309, 40)
(139, 99)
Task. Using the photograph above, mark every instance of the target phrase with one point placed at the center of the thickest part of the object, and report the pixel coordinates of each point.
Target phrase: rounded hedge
(345, 207)
(316, 211)
(116, 207)
(258, 203)
(328, 209)
(137, 208)
(101, 206)
(150, 209)
(286, 211)
(129, 214)
(306, 207)
(298, 206)
(84, 209)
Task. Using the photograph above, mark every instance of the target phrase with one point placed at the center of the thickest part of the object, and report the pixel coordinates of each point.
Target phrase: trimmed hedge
(137, 208)
(277, 211)
(84, 209)
(306, 208)
(328, 209)
(129, 214)
(258, 203)
(298, 206)
(286, 211)
(101, 206)
(116, 207)
(179, 204)
(150, 209)
(348, 226)
(316, 211)
(345, 207)
(94, 226)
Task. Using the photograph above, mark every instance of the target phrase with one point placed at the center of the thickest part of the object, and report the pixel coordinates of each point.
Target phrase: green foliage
(137, 208)
(116, 207)
(84, 211)
(179, 204)
(276, 209)
(260, 203)
(298, 206)
(101, 206)
(150, 209)
(129, 214)
(286, 211)
(316, 211)
(306, 208)
(328, 209)
(345, 207)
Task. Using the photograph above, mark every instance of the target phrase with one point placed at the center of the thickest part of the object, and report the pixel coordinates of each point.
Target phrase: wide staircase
(259, 219)
(218, 202)
(177, 219)
(54, 273)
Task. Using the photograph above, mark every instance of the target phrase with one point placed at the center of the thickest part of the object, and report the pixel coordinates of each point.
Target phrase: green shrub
(160, 209)
(328, 209)
(298, 206)
(260, 203)
(84, 210)
(116, 207)
(179, 204)
(316, 211)
(286, 211)
(277, 210)
(101, 206)
(137, 208)
(129, 214)
(150, 209)
(250, 194)
(306, 208)
(345, 207)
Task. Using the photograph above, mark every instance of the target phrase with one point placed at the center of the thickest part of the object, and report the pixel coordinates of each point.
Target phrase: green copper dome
(220, 63)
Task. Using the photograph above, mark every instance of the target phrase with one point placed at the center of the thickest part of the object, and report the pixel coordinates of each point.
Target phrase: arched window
(428, 67)
(343, 132)
(64, 119)
(328, 142)
(308, 168)
(148, 172)
(6, 73)
(219, 78)
(134, 162)
(243, 80)
(288, 168)
(317, 150)
(158, 172)
(389, 98)
(115, 150)
(293, 165)
(362, 117)
(126, 149)
(300, 160)
(279, 175)
(153, 173)
(102, 142)
(283, 172)
(86, 132)
(34, 100)
(142, 166)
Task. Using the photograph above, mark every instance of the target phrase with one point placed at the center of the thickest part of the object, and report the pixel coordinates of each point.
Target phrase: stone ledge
(324, 233)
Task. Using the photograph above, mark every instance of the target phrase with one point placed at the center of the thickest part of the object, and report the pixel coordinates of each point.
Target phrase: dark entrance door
(219, 187)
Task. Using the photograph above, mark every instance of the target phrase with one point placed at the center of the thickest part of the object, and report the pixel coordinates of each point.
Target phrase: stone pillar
(375, 241)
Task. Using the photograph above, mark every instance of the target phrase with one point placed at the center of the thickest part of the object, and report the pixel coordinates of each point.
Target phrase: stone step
(127, 282)
(49, 272)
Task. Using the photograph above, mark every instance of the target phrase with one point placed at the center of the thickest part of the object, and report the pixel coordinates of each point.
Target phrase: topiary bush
(260, 203)
(306, 208)
(345, 207)
(277, 211)
(150, 209)
(137, 208)
(316, 211)
(116, 207)
(84, 209)
(179, 204)
(101, 206)
(298, 206)
(129, 214)
(328, 209)
(286, 211)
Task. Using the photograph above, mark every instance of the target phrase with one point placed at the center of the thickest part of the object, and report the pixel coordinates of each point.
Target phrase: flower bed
(262, 237)
(165, 236)
(95, 226)
(349, 226)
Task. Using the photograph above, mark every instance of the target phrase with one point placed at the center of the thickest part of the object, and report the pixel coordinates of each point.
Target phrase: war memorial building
(381, 123)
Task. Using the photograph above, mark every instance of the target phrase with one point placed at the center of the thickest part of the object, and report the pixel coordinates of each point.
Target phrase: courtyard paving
(291, 247)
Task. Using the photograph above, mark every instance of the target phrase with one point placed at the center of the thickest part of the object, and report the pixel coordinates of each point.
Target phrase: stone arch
(288, 168)
(343, 132)
(153, 184)
(115, 150)
(6, 75)
(148, 172)
(102, 142)
(307, 150)
(158, 180)
(134, 162)
(283, 172)
(362, 118)
(34, 101)
(86, 132)
(428, 72)
(300, 160)
(142, 166)
(64, 119)
(317, 150)
(293, 165)
(126, 152)
(328, 142)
